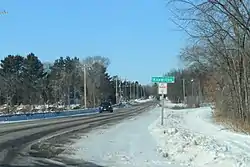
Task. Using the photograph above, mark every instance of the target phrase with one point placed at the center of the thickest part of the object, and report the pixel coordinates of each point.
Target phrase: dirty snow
(127, 144)
(190, 138)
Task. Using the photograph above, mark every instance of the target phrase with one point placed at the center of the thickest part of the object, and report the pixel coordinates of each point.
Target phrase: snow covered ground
(190, 138)
(168, 104)
(136, 101)
(21, 109)
(142, 100)
(127, 144)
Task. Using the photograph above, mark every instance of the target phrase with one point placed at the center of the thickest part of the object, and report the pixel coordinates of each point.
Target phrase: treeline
(25, 80)
(188, 83)
(219, 52)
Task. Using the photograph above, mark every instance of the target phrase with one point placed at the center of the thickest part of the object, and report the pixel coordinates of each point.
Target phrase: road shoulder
(128, 143)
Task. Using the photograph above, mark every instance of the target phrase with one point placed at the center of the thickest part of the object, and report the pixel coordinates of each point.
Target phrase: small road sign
(167, 79)
(163, 88)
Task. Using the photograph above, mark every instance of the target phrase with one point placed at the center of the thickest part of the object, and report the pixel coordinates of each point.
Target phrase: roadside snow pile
(23, 109)
(142, 100)
(137, 101)
(189, 137)
(168, 104)
(132, 102)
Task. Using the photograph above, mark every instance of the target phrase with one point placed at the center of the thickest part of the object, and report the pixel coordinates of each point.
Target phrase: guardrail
(32, 116)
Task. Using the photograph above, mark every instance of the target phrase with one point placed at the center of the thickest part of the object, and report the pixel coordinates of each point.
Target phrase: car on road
(106, 106)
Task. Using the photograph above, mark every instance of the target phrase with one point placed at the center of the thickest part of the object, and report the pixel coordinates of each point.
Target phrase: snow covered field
(128, 144)
(189, 137)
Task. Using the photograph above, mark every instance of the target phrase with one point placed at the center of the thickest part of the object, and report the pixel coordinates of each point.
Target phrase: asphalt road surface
(38, 143)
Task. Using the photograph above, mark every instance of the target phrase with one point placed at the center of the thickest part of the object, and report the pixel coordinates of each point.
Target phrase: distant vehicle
(106, 106)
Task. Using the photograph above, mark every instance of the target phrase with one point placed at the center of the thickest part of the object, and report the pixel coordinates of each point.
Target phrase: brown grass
(234, 125)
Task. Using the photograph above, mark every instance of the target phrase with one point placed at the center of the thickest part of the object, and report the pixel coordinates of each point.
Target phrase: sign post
(163, 89)
(162, 110)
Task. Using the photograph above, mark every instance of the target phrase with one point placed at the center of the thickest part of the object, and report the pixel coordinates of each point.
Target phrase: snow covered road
(123, 145)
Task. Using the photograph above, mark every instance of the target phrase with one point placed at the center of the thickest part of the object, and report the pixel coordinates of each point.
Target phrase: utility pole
(85, 86)
(184, 89)
(68, 96)
(120, 90)
(130, 90)
(192, 81)
(194, 99)
(116, 89)
(125, 89)
(137, 91)
(200, 94)
(134, 94)
(141, 91)
(94, 95)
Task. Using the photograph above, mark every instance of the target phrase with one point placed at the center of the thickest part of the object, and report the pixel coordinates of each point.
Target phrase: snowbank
(189, 137)
(136, 101)
(168, 104)
(142, 100)
(22, 109)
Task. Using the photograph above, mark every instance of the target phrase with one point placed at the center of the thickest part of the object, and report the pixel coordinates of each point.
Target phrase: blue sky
(136, 35)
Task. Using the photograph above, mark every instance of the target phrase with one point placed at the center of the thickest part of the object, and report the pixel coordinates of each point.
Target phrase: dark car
(106, 106)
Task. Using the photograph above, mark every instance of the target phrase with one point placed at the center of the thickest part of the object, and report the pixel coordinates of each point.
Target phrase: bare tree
(95, 77)
(221, 33)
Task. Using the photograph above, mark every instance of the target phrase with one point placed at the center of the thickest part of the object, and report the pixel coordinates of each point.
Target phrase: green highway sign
(167, 79)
